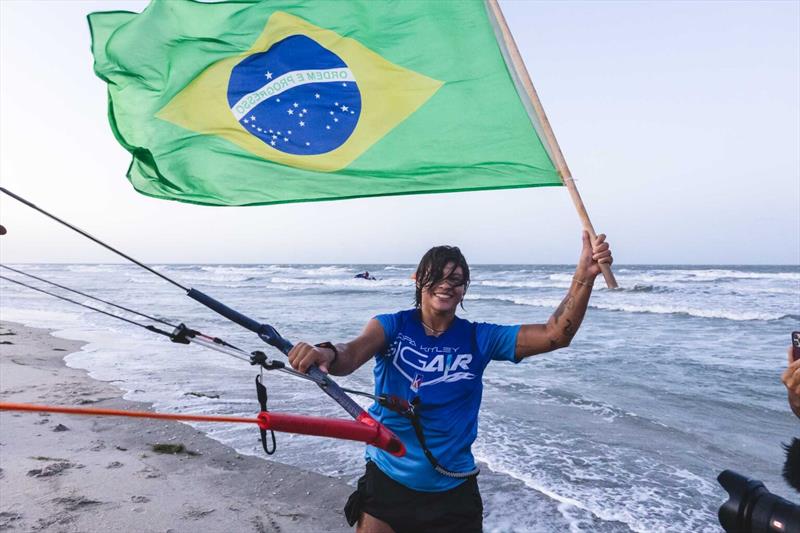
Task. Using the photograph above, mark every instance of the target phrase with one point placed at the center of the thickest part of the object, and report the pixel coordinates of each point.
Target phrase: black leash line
(90, 237)
(112, 315)
(154, 319)
(216, 340)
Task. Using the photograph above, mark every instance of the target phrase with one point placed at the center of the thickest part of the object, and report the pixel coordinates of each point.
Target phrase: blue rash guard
(446, 373)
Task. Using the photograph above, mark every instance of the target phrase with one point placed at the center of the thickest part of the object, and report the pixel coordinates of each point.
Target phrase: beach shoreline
(85, 473)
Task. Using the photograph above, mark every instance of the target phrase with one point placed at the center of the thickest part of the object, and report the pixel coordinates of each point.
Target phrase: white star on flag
(302, 123)
(290, 112)
(268, 75)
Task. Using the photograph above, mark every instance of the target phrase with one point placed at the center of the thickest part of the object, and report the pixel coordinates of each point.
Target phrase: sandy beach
(65, 473)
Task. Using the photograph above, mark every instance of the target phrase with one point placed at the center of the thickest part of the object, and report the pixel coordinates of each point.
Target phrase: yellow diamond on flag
(302, 96)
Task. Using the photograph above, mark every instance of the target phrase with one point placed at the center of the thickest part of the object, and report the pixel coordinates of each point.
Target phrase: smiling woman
(444, 273)
(431, 363)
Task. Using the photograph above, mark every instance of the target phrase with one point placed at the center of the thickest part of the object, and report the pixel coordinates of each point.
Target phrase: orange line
(6, 406)
(366, 429)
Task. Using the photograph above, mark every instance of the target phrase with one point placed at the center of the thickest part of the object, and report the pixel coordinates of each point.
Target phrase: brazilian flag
(274, 101)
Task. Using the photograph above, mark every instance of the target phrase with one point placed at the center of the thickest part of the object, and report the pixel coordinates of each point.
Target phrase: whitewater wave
(725, 314)
(642, 288)
(329, 270)
(700, 276)
(692, 311)
(592, 477)
(564, 282)
(349, 282)
(561, 397)
(239, 270)
(216, 278)
(533, 302)
(399, 268)
(96, 269)
(532, 284)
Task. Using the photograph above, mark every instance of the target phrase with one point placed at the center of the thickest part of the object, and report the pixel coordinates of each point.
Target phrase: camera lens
(753, 508)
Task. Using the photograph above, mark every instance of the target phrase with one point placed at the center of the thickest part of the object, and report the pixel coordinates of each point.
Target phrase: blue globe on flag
(297, 97)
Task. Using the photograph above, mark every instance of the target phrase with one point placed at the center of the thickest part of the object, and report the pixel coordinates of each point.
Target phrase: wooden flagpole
(549, 136)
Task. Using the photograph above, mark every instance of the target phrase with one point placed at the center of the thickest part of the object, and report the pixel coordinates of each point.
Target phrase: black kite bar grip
(267, 333)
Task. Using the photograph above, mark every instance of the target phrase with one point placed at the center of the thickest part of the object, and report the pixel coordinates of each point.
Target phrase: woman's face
(448, 293)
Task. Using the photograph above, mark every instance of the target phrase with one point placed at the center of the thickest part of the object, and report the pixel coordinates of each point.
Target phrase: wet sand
(85, 474)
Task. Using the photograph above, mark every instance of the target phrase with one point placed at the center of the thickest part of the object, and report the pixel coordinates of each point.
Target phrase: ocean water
(670, 380)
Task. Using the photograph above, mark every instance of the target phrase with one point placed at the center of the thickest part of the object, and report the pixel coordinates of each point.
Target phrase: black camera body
(753, 508)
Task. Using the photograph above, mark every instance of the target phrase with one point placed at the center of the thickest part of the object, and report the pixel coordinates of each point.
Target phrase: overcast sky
(680, 122)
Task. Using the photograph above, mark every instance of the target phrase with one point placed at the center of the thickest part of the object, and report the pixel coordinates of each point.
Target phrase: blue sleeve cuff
(498, 343)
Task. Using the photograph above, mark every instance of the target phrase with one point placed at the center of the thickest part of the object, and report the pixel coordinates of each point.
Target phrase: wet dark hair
(430, 271)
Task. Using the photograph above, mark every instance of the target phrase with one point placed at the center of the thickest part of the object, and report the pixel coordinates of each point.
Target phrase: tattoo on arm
(565, 321)
(566, 305)
(569, 331)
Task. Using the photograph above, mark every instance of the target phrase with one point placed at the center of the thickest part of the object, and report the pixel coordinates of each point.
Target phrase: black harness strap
(410, 412)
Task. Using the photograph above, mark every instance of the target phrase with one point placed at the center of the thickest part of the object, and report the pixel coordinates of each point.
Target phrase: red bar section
(385, 439)
(365, 429)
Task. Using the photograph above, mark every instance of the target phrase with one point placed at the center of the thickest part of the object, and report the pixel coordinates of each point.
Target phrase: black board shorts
(410, 511)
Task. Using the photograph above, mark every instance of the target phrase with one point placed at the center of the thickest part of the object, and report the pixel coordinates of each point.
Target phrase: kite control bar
(266, 332)
(271, 336)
